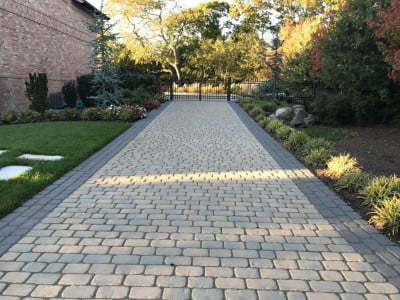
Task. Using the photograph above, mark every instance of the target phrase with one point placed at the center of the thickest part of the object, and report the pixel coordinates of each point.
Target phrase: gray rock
(299, 115)
(309, 120)
(285, 114)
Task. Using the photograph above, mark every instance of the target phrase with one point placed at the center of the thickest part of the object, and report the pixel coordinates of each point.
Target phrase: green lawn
(73, 140)
(333, 134)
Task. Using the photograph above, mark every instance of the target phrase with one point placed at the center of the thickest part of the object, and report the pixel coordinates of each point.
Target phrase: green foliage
(90, 114)
(270, 106)
(53, 115)
(354, 182)
(73, 114)
(332, 134)
(274, 125)
(256, 112)
(85, 89)
(37, 92)
(386, 216)
(296, 141)
(341, 164)
(29, 116)
(137, 96)
(379, 189)
(315, 144)
(317, 157)
(9, 117)
(264, 122)
(107, 80)
(283, 132)
(70, 93)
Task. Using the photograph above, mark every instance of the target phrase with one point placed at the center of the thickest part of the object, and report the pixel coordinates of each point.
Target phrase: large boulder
(309, 120)
(285, 114)
(299, 115)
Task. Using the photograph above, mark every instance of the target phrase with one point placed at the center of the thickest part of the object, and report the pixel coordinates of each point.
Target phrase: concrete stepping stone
(41, 157)
(11, 172)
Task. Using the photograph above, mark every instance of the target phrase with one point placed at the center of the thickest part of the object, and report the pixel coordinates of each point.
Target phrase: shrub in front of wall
(380, 188)
(386, 216)
(283, 132)
(85, 89)
(354, 182)
(337, 166)
(70, 93)
(10, 117)
(29, 116)
(37, 92)
(315, 144)
(296, 141)
(90, 114)
(317, 158)
(273, 125)
(53, 115)
(72, 114)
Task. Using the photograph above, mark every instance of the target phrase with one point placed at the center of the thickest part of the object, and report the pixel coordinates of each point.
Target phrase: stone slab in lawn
(11, 172)
(2, 151)
(41, 157)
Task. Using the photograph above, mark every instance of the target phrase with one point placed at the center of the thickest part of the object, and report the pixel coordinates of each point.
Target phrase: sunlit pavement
(195, 207)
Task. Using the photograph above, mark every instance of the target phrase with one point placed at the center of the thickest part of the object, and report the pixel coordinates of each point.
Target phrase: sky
(186, 3)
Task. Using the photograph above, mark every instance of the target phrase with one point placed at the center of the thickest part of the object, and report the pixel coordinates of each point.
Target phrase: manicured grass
(332, 134)
(73, 140)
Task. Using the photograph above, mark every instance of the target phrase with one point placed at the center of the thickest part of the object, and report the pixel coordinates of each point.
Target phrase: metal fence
(294, 92)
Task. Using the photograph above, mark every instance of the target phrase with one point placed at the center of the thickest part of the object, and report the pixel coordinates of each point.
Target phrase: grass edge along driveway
(76, 141)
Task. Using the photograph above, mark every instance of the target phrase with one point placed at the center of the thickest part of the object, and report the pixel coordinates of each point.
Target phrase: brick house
(48, 36)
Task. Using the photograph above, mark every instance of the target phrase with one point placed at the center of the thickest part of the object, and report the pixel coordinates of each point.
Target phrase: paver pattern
(193, 208)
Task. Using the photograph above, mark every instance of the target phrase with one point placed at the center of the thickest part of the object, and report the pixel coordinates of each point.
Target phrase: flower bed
(124, 113)
(377, 197)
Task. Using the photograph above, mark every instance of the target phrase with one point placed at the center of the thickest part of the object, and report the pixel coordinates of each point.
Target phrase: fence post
(229, 89)
(200, 90)
(171, 90)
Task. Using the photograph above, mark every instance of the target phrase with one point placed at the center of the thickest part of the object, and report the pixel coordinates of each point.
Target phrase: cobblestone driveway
(195, 207)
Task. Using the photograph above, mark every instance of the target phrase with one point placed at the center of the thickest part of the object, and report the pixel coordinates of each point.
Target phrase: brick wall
(40, 36)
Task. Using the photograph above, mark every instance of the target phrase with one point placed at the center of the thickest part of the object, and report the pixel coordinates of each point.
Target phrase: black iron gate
(223, 91)
(216, 91)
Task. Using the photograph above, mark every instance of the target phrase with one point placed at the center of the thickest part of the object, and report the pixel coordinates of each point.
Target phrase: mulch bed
(376, 148)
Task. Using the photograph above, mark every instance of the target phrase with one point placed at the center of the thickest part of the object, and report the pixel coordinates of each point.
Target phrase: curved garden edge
(375, 199)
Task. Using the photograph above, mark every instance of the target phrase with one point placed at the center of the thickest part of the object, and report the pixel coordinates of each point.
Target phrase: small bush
(85, 89)
(10, 117)
(354, 182)
(386, 216)
(70, 93)
(52, 115)
(264, 122)
(256, 112)
(248, 106)
(90, 114)
(131, 113)
(297, 141)
(29, 116)
(317, 158)
(138, 96)
(283, 132)
(110, 113)
(380, 188)
(315, 144)
(273, 125)
(151, 104)
(72, 114)
(339, 165)
(37, 92)
(270, 106)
